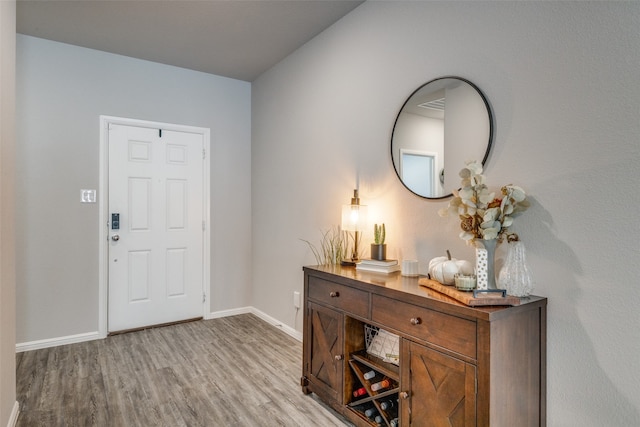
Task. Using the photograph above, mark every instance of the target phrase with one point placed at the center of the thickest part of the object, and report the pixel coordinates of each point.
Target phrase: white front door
(155, 226)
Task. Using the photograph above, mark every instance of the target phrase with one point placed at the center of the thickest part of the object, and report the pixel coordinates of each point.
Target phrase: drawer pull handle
(338, 357)
(404, 395)
(415, 321)
(334, 294)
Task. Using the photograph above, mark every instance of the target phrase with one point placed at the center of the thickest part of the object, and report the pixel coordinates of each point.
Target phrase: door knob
(115, 237)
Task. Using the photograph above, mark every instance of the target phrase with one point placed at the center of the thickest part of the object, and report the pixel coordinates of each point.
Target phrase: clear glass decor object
(515, 275)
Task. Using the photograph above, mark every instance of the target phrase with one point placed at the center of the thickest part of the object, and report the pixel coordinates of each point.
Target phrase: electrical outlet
(296, 299)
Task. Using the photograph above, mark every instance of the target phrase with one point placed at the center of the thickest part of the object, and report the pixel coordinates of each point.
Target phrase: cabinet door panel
(441, 389)
(326, 340)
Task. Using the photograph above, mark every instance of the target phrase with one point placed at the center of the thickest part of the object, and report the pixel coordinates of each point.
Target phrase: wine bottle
(369, 375)
(380, 385)
(369, 412)
(387, 404)
(360, 392)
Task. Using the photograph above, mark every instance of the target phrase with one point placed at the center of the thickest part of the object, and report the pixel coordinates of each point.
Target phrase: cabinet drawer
(339, 296)
(444, 330)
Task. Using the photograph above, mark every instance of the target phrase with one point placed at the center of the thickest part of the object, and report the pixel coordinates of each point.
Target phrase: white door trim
(103, 201)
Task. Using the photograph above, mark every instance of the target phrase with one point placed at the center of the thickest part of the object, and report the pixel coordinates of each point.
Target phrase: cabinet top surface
(390, 284)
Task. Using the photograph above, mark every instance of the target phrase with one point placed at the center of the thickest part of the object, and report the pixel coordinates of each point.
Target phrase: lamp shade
(354, 217)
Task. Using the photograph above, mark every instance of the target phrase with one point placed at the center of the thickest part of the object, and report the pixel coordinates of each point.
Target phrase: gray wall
(7, 205)
(62, 90)
(562, 79)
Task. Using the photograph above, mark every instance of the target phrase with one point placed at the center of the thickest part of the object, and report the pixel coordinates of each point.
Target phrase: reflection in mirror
(442, 125)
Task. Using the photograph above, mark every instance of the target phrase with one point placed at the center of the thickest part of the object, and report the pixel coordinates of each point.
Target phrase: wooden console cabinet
(458, 365)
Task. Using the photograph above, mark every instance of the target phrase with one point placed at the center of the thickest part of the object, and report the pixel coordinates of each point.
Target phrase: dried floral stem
(483, 214)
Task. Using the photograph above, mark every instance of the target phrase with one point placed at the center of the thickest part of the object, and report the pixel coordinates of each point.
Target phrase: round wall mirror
(444, 123)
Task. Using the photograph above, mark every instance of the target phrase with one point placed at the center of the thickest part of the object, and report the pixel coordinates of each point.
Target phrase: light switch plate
(87, 196)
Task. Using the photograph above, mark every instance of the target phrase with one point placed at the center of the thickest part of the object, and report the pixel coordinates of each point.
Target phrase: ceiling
(239, 39)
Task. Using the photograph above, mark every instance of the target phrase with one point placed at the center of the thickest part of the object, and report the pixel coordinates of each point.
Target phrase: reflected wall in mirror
(444, 123)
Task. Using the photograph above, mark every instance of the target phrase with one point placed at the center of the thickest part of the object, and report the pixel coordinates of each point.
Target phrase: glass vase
(515, 275)
(485, 264)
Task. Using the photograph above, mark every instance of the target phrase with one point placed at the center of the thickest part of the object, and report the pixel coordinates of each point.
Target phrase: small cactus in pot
(379, 248)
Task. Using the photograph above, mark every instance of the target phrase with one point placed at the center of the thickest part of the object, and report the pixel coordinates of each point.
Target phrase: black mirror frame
(489, 142)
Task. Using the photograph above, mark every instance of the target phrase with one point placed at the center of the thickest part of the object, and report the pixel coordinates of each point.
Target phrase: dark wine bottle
(387, 404)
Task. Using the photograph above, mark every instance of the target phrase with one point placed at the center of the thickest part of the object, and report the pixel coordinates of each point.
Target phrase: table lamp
(354, 219)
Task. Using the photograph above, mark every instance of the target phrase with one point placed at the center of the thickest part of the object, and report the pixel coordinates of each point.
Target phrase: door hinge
(204, 226)
(204, 154)
(204, 297)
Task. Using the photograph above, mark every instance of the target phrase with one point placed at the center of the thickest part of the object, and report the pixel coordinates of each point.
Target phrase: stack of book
(385, 266)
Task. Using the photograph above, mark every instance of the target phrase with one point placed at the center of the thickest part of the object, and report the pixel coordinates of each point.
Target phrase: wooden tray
(468, 298)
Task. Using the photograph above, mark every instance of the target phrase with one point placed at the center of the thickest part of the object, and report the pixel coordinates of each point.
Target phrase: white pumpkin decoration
(444, 268)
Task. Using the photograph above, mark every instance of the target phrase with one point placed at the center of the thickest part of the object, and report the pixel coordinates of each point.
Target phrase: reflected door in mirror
(441, 126)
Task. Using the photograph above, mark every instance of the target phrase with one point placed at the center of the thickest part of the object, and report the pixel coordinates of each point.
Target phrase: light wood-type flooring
(232, 371)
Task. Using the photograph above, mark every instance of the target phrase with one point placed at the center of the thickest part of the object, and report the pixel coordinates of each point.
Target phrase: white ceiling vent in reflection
(436, 104)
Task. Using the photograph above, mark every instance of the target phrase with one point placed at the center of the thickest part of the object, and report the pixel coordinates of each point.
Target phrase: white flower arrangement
(482, 215)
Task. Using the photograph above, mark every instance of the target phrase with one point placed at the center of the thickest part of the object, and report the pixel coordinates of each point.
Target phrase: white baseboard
(231, 312)
(262, 315)
(55, 342)
(13, 419)
(89, 336)
(285, 328)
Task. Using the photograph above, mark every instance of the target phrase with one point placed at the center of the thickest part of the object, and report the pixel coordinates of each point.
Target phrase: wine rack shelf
(379, 407)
